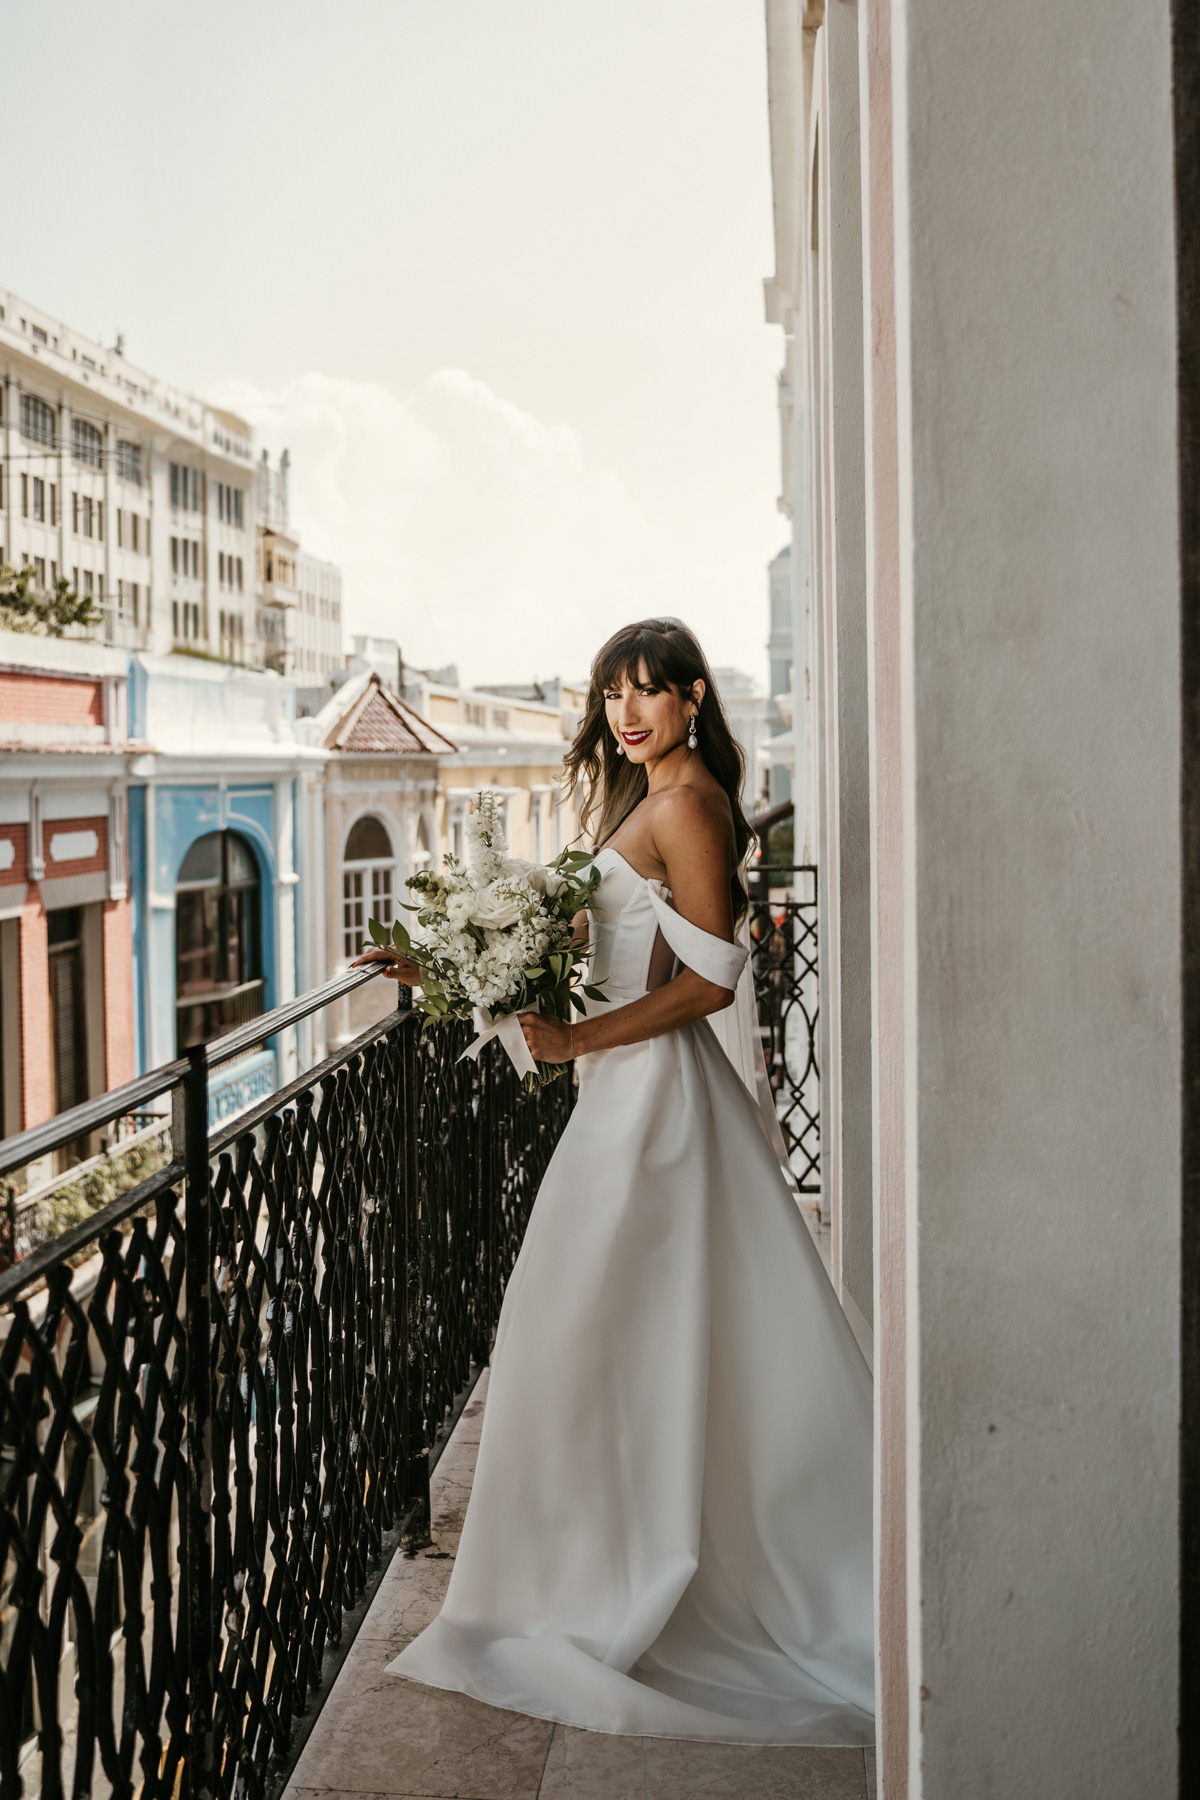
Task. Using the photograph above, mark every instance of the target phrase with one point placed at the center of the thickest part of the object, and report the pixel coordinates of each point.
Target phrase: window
(174, 556)
(120, 528)
(24, 496)
(39, 336)
(134, 533)
(86, 511)
(239, 575)
(473, 714)
(37, 421)
(64, 933)
(367, 870)
(87, 581)
(500, 719)
(229, 504)
(39, 499)
(75, 514)
(85, 443)
(218, 969)
(53, 503)
(129, 462)
(39, 563)
(187, 492)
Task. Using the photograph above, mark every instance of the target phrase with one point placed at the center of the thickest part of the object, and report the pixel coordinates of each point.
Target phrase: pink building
(66, 988)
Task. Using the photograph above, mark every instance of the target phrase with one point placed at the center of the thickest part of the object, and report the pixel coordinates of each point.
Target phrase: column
(888, 973)
(37, 1067)
(285, 918)
(845, 870)
(1040, 804)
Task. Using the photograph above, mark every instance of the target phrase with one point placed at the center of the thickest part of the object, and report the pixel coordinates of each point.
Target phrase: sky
(490, 269)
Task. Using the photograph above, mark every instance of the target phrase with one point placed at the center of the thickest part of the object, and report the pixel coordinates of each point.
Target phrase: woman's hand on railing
(399, 968)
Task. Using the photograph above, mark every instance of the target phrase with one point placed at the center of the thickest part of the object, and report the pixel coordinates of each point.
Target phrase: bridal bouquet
(493, 938)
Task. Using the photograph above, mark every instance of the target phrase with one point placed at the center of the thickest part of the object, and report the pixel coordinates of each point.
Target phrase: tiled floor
(378, 1736)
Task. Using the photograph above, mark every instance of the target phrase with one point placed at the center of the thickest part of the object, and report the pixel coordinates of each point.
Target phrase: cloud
(465, 527)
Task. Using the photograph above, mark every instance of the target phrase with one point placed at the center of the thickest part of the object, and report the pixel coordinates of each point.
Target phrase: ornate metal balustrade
(783, 933)
(221, 1396)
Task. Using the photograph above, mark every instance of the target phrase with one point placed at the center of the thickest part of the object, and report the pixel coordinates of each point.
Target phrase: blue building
(215, 854)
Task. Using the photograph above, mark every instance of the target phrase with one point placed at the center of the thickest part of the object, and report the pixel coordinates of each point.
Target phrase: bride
(669, 1532)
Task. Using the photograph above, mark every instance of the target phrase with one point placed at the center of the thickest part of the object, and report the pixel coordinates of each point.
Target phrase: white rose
(495, 907)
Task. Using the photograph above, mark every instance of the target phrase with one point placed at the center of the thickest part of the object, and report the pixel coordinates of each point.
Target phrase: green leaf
(581, 1005)
(594, 993)
(377, 931)
(400, 937)
(534, 974)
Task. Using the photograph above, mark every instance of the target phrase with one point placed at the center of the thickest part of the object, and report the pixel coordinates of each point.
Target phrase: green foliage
(77, 1200)
(27, 606)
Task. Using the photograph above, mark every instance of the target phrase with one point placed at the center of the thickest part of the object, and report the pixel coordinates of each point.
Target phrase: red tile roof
(379, 722)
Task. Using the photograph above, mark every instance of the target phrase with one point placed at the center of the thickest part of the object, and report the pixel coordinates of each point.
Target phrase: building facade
(151, 501)
(66, 993)
(506, 742)
(975, 280)
(747, 710)
(136, 492)
(781, 749)
(371, 817)
(299, 597)
(219, 855)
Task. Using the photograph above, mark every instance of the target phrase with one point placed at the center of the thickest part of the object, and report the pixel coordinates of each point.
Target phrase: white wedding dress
(669, 1532)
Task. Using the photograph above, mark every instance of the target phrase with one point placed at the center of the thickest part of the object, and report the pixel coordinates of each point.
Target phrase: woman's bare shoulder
(694, 813)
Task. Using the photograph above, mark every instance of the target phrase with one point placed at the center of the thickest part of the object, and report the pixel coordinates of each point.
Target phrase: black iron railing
(783, 933)
(216, 1426)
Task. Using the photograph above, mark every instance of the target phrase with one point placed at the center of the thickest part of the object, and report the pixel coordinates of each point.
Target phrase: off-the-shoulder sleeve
(709, 956)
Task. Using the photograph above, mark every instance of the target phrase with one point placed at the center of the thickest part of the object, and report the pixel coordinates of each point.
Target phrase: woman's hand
(549, 1039)
(400, 968)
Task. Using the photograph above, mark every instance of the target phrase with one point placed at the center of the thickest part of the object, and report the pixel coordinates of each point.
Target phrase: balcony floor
(394, 1740)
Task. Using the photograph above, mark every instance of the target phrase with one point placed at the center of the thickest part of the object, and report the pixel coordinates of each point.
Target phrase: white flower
(497, 906)
(459, 905)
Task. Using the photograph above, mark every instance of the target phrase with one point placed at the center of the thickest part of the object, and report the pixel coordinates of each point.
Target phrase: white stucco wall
(1040, 596)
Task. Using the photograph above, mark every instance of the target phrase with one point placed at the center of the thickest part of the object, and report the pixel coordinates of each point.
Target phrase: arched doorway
(218, 938)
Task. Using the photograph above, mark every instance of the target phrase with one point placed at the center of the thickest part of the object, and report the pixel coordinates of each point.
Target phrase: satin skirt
(669, 1532)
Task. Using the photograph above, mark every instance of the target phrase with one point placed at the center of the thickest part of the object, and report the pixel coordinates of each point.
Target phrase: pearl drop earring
(691, 736)
(620, 748)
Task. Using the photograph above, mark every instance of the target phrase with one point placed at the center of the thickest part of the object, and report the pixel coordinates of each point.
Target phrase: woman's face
(648, 721)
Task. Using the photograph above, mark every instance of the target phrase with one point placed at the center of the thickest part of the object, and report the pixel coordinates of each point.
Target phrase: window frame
(360, 874)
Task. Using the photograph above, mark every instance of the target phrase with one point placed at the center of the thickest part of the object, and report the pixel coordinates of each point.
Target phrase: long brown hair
(612, 785)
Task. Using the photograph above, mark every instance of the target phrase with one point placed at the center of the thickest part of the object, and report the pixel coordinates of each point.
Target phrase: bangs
(670, 656)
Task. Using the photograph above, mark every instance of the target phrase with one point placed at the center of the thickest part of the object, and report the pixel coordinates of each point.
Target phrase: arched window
(368, 868)
(218, 956)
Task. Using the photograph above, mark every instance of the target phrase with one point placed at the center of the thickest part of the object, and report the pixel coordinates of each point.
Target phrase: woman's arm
(692, 839)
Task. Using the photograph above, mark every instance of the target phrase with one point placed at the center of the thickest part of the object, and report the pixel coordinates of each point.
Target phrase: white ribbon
(508, 1029)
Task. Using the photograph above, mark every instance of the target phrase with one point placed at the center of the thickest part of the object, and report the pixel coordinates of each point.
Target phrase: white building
(151, 501)
(135, 491)
(371, 818)
(781, 753)
(746, 708)
(509, 743)
(300, 597)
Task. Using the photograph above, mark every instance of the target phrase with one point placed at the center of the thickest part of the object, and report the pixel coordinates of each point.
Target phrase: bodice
(627, 915)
